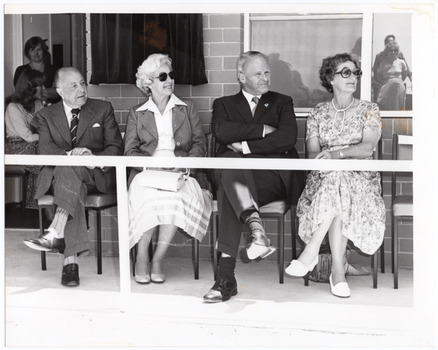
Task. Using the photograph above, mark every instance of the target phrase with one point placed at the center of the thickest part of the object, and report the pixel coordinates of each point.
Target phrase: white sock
(51, 233)
(72, 259)
(223, 255)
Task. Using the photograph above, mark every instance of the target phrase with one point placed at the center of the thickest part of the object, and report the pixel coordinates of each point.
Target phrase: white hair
(146, 70)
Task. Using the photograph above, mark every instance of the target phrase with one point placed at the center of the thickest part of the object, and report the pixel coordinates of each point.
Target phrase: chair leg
(87, 218)
(196, 252)
(392, 240)
(395, 256)
(43, 254)
(134, 251)
(99, 241)
(151, 249)
(293, 219)
(24, 192)
(281, 229)
(382, 257)
(214, 241)
(306, 279)
(374, 267)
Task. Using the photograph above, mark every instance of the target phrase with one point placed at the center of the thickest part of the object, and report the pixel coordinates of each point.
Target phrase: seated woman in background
(37, 52)
(346, 204)
(21, 133)
(388, 81)
(163, 126)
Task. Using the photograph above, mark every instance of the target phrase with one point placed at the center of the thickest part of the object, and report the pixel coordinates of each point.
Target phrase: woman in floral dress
(348, 205)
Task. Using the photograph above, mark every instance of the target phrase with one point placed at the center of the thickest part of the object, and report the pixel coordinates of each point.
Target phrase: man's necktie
(255, 99)
(74, 125)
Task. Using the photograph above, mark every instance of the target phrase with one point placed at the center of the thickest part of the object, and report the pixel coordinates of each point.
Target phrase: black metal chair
(18, 172)
(402, 205)
(276, 210)
(95, 202)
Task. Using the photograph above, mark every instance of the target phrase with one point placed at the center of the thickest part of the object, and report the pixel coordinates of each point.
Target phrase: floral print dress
(355, 196)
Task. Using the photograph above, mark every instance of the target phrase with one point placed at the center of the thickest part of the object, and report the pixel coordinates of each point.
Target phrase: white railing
(121, 163)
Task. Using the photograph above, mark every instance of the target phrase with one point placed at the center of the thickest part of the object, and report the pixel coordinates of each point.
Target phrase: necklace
(344, 112)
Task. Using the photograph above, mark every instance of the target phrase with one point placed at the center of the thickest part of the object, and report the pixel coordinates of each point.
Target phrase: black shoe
(43, 244)
(70, 275)
(222, 290)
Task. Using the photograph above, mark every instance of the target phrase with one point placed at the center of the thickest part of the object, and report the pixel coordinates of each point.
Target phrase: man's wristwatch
(341, 154)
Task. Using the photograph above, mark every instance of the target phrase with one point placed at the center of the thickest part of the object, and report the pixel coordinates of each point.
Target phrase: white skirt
(189, 209)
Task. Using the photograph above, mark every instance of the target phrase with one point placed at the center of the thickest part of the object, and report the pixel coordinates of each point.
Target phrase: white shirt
(166, 141)
(252, 104)
(68, 110)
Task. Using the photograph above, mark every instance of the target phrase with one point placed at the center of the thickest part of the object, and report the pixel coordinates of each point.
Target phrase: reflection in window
(296, 47)
(392, 76)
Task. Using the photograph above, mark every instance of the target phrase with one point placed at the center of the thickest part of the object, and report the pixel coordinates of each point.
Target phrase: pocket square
(96, 125)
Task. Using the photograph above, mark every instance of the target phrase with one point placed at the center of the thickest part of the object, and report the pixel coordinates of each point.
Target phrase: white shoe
(255, 251)
(297, 268)
(341, 290)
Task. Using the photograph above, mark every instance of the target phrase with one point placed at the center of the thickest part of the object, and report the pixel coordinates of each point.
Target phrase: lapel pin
(266, 104)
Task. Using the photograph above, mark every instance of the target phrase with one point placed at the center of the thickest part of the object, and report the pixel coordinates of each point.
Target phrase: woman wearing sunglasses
(345, 205)
(389, 79)
(163, 126)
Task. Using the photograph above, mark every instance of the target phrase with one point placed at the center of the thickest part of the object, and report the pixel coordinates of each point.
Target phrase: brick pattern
(223, 43)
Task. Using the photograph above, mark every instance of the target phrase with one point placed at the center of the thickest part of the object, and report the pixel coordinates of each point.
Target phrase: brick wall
(223, 42)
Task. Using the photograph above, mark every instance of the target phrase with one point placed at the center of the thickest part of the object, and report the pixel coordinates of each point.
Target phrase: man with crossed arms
(255, 123)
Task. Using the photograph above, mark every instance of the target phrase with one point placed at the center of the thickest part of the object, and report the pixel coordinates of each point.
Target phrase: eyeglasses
(163, 76)
(346, 73)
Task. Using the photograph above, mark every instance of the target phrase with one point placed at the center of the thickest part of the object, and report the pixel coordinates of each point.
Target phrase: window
(296, 46)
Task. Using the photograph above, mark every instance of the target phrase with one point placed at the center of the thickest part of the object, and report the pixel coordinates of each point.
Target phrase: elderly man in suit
(76, 125)
(255, 123)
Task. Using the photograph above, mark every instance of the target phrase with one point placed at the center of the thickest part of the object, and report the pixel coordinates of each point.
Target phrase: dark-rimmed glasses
(163, 76)
(346, 73)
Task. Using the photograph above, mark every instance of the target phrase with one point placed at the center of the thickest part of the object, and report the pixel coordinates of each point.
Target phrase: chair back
(402, 149)
(211, 146)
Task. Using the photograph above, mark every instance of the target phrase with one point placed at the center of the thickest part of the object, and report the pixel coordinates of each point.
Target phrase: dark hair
(389, 37)
(32, 43)
(329, 65)
(26, 88)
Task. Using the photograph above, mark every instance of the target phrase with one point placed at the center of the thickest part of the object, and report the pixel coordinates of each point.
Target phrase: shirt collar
(150, 104)
(249, 97)
(67, 110)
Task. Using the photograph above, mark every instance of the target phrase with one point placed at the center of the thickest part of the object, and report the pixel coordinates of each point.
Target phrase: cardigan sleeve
(17, 124)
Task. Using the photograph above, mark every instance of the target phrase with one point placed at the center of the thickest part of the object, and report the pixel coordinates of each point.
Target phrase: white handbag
(163, 179)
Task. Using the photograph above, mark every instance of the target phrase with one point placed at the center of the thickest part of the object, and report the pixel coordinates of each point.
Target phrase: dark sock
(226, 268)
(247, 213)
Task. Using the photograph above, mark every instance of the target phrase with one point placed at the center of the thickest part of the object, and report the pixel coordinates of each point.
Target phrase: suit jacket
(141, 137)
(97, 131)
(233, 122)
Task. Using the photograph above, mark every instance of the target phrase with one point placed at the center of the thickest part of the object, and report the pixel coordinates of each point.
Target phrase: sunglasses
(346, 73)
(163, 76)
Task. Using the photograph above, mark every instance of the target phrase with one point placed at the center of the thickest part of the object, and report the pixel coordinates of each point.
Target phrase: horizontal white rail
(216, 163)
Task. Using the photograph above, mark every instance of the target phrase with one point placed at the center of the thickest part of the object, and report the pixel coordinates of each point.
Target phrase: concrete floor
(41, 312)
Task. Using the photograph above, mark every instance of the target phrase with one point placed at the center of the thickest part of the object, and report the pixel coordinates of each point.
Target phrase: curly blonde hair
(146, 70)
